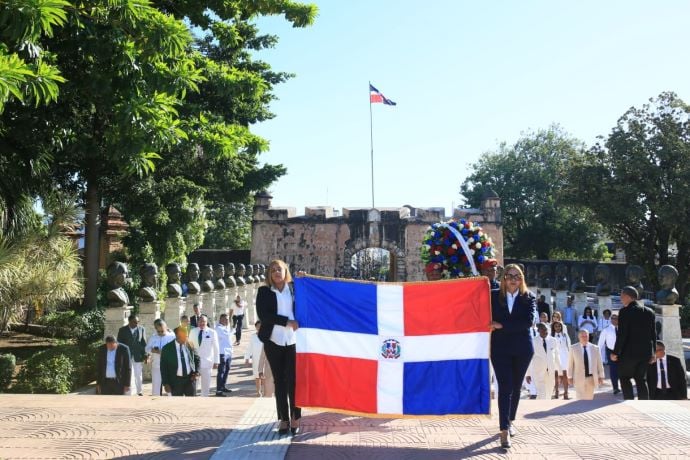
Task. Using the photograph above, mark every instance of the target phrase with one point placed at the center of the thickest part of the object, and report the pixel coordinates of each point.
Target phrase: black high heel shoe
(283, 427)
(294, 426)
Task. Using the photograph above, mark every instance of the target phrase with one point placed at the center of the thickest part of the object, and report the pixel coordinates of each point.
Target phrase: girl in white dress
(558, 332)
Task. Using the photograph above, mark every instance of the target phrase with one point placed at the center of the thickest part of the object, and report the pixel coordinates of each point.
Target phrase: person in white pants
(545, 362)
(154, 346)
(205, 341)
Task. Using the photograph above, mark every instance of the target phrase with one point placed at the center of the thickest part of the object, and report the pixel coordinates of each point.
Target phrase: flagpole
(371, 136)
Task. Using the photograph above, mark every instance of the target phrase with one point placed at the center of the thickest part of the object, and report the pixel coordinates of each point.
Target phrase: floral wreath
(457, 248)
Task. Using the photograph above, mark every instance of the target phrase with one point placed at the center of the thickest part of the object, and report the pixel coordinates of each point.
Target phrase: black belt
(113, 379)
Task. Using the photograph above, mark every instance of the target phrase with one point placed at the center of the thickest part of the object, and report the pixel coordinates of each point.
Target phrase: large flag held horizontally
(395, 349)
(376, 96)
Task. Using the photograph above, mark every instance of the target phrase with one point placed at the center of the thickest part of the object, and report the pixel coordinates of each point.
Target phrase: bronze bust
(193, 278)
(117, 276)
(219, 275)
(173, 273)
(667, 295)
(207, 278)
(149, 277)
(240, 275)
(230, 275)
(601, 275)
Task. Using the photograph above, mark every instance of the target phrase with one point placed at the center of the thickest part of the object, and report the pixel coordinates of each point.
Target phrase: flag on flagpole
(393, 349)
(375, 96)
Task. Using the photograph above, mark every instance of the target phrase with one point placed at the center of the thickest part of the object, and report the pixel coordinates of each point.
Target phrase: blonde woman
(559, 333)
(275, 305)
(513, 311)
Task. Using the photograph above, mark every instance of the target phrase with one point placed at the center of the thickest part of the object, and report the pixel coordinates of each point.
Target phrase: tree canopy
(148, 117)
(636, 181)
(529, 177)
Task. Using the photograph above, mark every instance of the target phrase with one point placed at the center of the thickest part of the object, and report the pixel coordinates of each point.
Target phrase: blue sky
(466, 76)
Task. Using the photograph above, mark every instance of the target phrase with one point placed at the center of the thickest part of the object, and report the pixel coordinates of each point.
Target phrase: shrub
(41, 375)
(74, 367)
(7, 363)
(84, 327)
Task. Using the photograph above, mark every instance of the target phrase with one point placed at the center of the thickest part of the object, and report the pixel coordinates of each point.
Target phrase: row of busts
(667, 277)
(208, 278)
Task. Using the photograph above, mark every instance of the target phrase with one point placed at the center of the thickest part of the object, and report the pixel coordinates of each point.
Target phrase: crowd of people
(181, 359)
(531, 346)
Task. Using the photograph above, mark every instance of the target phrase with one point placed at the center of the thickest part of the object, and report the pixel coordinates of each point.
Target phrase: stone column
(148, 313)
(221, 302)
(561, 301)
(242, 292)
(208, 300)
(174, 309)
(667, 316)
(115, 318)
(190, 300)
(250, 314)
(603, 302)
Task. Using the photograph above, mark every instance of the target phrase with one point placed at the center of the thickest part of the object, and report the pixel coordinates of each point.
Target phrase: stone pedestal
(221, 302)
(579, 303)
(546, 292)
(561, 300)
(208, 300)
(174, 309)
(190, 300)
(250, 313)
(668, 320)
(603, 302)
(148, 313)
(242, 292)
(115, 318)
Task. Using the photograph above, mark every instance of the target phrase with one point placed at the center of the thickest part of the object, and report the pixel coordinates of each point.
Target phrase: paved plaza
(242, 426)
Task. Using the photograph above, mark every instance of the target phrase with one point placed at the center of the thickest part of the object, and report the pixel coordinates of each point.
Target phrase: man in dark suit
(179, 365)
(113, 368)
(134, 336)
(666, 377)
(635, 344)
(194, 319)
(543, 307)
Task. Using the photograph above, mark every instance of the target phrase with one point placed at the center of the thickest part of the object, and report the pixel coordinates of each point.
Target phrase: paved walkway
(243, 427)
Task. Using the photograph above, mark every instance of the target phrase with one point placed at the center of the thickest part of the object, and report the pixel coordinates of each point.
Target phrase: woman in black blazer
(275, 306)
(513, 311)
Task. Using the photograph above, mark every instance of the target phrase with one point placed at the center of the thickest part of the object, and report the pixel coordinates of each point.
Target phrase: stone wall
(323, 243)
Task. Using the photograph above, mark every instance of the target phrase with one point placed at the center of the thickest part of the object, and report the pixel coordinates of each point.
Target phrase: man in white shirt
(544, 363)
(204, 340)
(225, 347)
(154, 346)
(666, 377)
(607, 342)
(585, 370)
(179, 365)
(237, 313)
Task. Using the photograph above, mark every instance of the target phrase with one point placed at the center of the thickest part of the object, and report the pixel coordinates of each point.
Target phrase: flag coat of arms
(395, 349)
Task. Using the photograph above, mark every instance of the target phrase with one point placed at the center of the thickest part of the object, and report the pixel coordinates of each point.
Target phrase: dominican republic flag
(393, 349)
(376, 96)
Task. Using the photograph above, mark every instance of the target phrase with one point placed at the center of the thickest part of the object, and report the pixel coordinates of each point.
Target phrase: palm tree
(39, 266)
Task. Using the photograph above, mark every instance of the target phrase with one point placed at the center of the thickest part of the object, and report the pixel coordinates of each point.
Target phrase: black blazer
(123, 370)
(169, 362)
(676, 378)
(514, 337)
(267, 309)
(636, 339)
(193, 320)
(137, 347)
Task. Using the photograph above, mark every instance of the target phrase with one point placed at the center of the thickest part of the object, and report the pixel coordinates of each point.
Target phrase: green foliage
(637, 183)
(7, 364)
(41, 267)
(230, 226)
(43, 373)
(529, 177)
(60, 369)
(23, 23)
(85, 327)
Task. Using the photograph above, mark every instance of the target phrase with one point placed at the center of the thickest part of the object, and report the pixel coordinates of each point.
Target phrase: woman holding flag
(513, 311)
(275, 305)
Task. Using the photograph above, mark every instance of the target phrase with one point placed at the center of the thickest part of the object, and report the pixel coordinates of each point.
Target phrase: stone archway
(398, 271)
